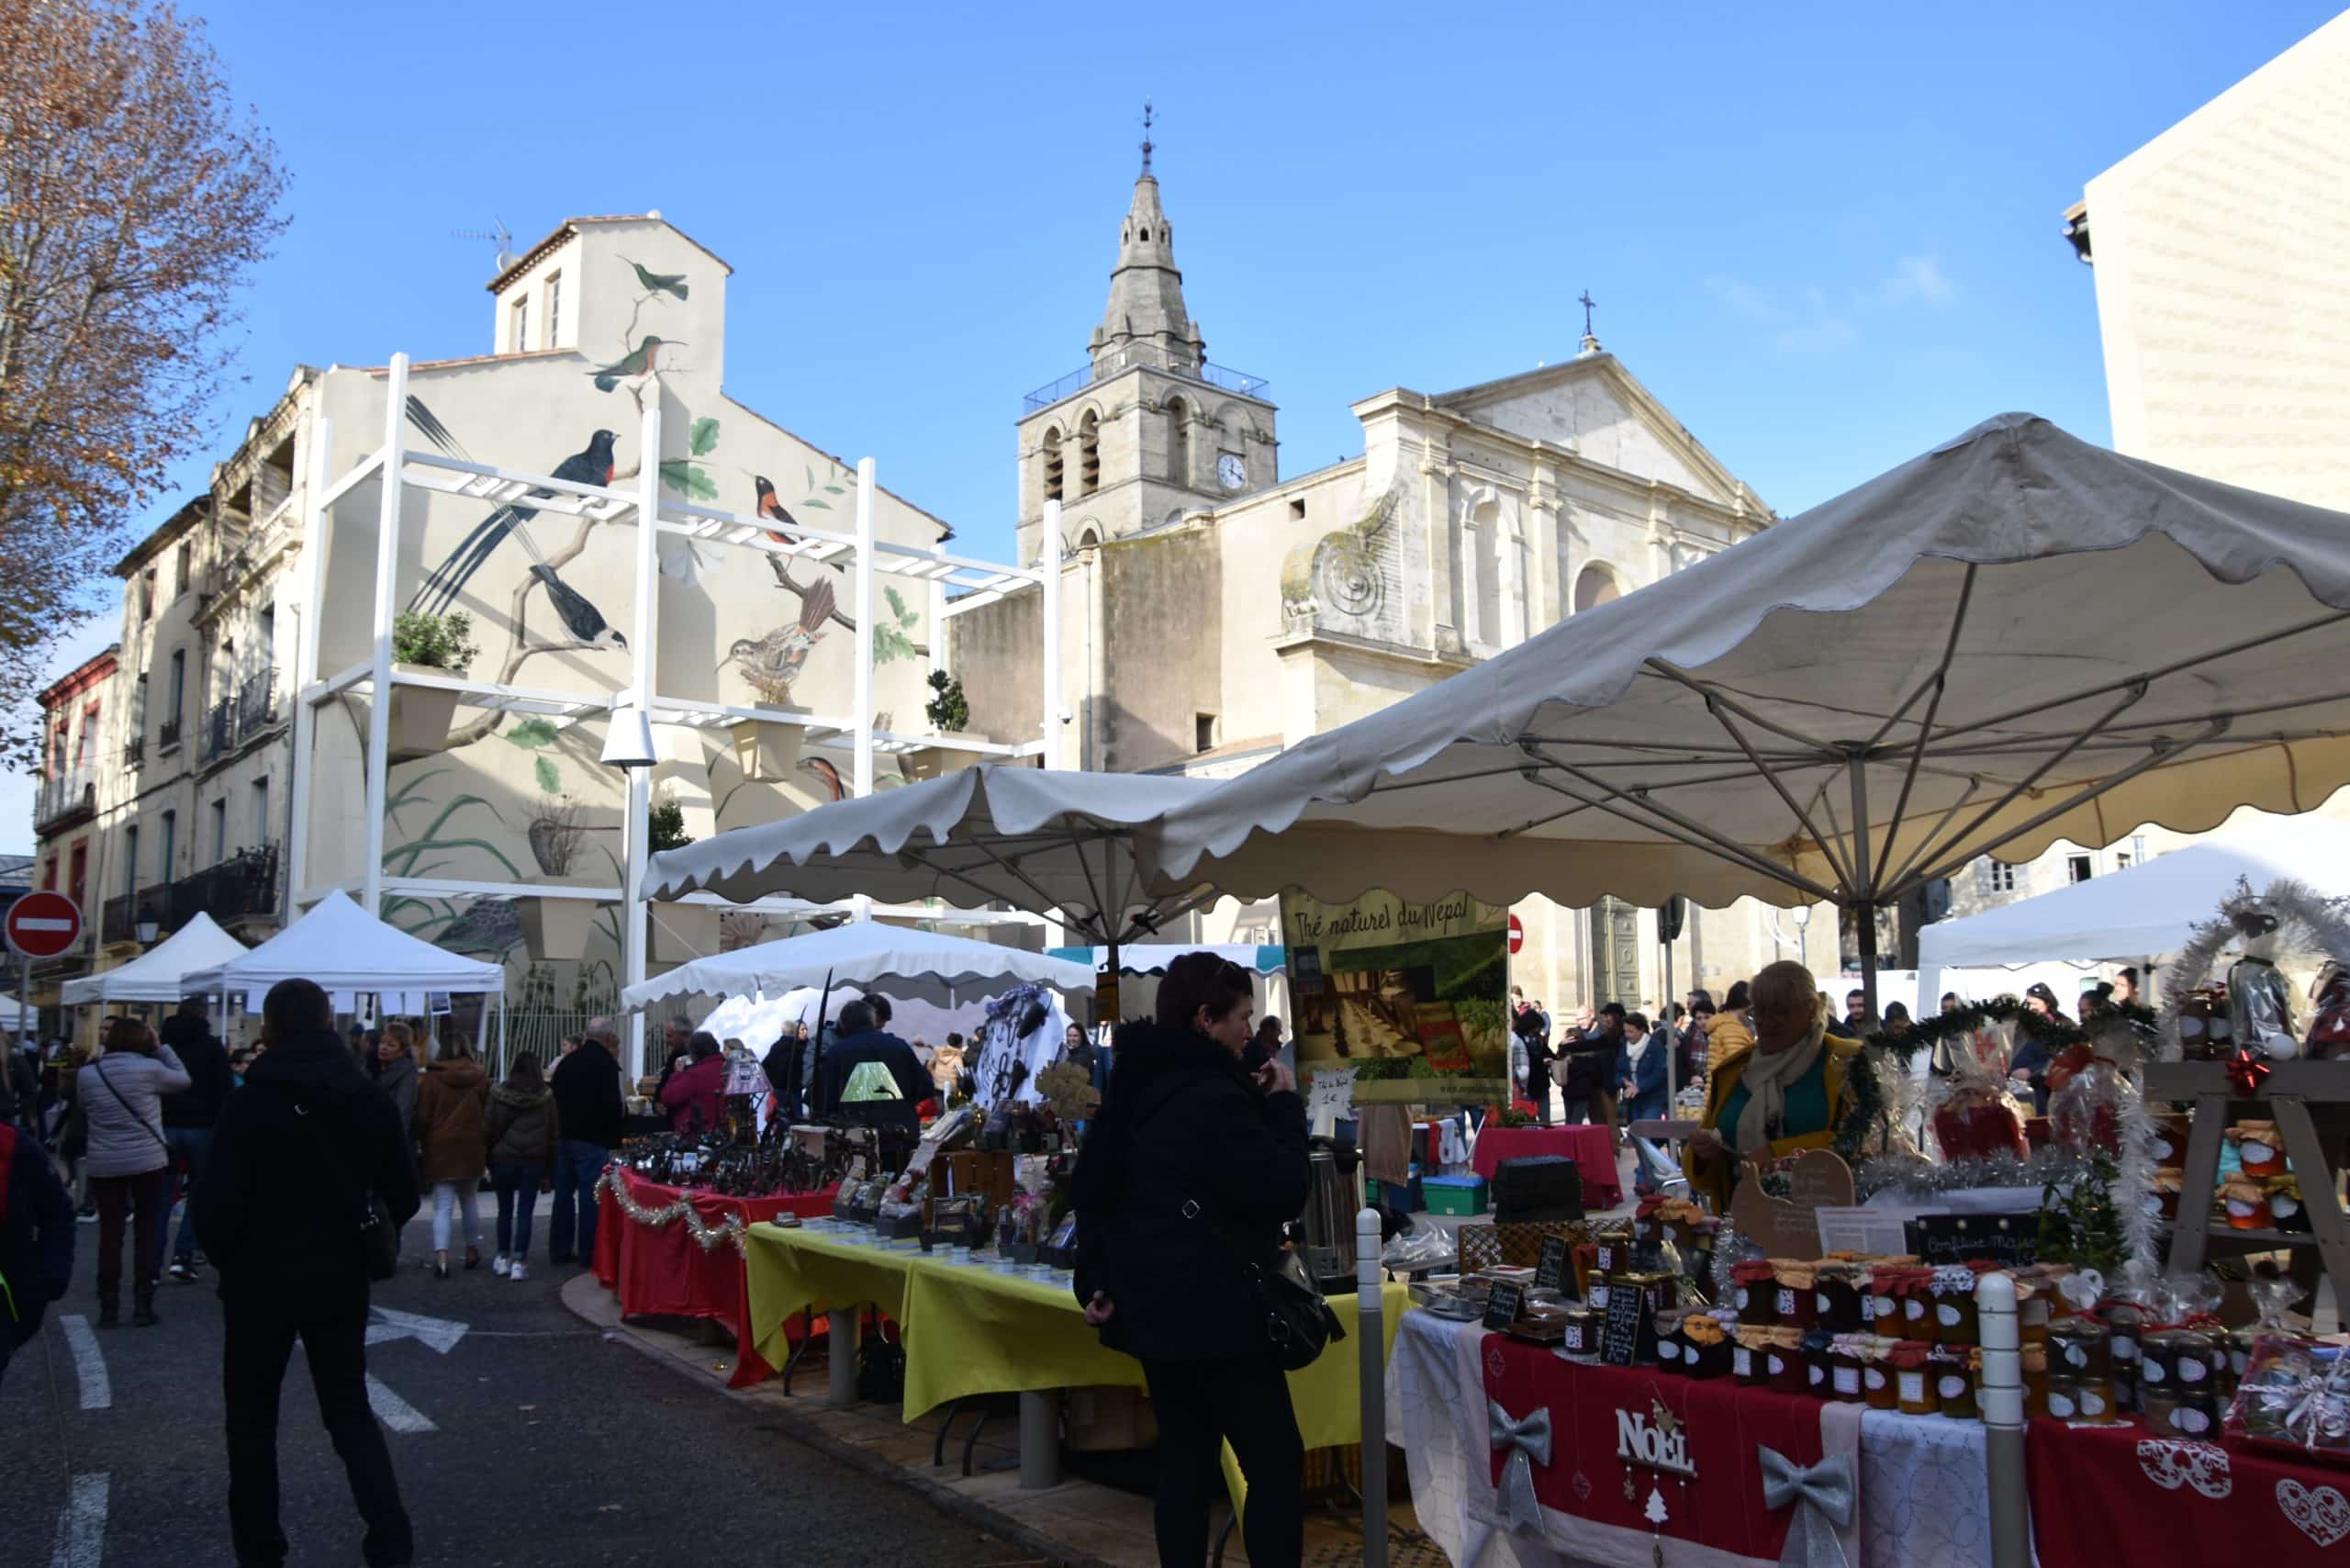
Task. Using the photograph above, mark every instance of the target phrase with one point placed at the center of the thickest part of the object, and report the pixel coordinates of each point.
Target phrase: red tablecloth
(1710, 1429)
(1590, 1148)
(662, 1271)
(2115, 1495)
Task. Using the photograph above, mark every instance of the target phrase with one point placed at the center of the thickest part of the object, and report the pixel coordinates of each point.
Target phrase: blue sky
(1827, 237)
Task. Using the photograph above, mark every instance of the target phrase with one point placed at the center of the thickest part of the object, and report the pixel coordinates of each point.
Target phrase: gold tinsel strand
(706, 1235)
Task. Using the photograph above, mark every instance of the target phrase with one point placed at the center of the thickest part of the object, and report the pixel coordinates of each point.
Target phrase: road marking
(81, 1525)
(89, 1364)
(393, 1411)
(441, 1333)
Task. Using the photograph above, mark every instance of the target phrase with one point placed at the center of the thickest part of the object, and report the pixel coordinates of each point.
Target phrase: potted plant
(556, 927)
(681, 932)
(427, 645)
(948, 711)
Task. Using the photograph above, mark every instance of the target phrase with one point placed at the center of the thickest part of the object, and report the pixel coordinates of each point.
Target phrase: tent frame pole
(1683, 830)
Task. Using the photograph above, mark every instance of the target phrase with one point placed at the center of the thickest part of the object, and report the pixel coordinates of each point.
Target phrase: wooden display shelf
(2219, 1230)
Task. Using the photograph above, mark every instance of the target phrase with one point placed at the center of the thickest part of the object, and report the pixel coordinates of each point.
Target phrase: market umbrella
(2152, 908)
(2015, 638)
(862, 953)
(1076, 845)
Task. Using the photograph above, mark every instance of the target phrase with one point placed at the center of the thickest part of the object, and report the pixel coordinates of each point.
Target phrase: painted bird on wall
(659, 282)
(773, 662)
(771, 508)
(828, 777)
(634, 363)
(445, 581)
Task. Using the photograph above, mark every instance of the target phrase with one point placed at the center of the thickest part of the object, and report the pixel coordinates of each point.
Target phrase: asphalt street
(524, 1439)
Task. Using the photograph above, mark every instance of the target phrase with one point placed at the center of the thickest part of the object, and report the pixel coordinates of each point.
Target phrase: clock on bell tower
(1147, 429)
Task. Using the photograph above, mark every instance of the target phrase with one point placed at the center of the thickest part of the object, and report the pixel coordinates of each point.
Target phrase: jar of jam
(2157, 1409)
(1953, 1367)
(1706, 1345)
(1818, 1351)
(2080, 1348)
(2064, 1398)
(2197, 1415)
(2202, 1360)
(1794, 1300)
(1953, 1298)
(1750, 1356)
(1670, 1345)
(1654, 1283)
(1913, 1380)
(2032, 1361)
(2036, 1299)
(1837, 1298)
(1847, 1354)
(2240, 1344)
(1905, 1306)
(2125, 1321)
(1877, 1384)
(1785, 1361)
(1753, 1292)
(2158, 1355)
(2094, 1397)
(1595, 1296)
(1614, 1246)
(1583, 1328)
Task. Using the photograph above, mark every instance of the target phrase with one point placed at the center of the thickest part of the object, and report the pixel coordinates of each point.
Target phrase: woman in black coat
(1192, 1167)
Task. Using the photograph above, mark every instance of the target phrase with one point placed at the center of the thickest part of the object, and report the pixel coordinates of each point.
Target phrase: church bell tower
(1147, 429)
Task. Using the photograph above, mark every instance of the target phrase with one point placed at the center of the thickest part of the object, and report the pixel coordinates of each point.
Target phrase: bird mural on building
(634, 363)
(828, 777)
(773, 662)
(771, 508)
(659, 282)
(444, 582)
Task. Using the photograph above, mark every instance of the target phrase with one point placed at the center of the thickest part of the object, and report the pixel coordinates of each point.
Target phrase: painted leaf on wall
(549, 780)
(690, 479)
(532, 733)
(703, 441)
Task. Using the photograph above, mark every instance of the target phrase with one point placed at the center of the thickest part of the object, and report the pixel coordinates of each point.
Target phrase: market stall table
(1592, 1148)
(663, 1270)
(1922, 1497)
(2118, 1494)
(968, 1330)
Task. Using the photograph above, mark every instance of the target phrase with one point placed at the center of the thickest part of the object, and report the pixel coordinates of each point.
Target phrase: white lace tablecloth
(1924, 1492)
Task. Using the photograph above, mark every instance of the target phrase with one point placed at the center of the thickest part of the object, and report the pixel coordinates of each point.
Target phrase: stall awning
(154, 975)
(1152, 957)
(344, 949)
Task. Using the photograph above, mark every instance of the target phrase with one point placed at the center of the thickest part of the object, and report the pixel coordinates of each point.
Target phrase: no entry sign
(1516, 934)
(42, 924)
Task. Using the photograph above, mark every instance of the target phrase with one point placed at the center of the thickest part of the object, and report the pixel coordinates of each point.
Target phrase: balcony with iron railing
(66, 796)
(167, 733)
(240, 716)
(242, 886)
(1217, 375)
(134, 751)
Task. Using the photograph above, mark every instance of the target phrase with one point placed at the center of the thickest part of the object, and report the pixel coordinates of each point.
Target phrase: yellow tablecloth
(969, 1330)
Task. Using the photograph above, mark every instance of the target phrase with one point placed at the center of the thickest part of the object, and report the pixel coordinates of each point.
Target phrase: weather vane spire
(1145, 135)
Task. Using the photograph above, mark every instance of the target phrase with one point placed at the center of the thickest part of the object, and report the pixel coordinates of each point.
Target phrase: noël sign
(1653, 1447)
(42, 924)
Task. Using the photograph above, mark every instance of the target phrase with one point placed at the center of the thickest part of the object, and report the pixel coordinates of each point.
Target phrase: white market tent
(2150, 909)
(155, 975)
(345, 949)
(863, 953)
(15, 1015)
(2015, 638)
(1076, 846)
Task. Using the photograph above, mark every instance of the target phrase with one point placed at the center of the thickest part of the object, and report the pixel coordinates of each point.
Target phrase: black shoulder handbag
(379, 1238)
(1298, 1322)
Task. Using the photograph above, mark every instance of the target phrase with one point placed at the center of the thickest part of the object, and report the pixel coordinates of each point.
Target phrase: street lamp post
(1803, 933)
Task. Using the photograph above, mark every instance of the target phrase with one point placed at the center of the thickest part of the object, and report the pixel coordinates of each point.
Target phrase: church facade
(1216, 611)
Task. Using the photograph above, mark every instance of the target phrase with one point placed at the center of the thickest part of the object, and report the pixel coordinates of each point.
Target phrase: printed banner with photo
(1402, 992)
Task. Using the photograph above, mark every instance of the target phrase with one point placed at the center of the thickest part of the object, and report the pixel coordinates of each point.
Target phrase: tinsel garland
(706, 1235)
(2057, 1034)
(1915, 1174)
(2141, 1226)
(2306, 923)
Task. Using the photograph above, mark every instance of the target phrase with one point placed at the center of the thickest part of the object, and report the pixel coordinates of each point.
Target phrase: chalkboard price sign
(2009, 1240)
(1629, 1336)
(1551, 1269)
(1502, 1306)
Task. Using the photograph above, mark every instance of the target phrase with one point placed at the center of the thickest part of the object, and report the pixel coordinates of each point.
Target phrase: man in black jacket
(589, 1115)
(295, 1155)
(188, 1117)
(891, 1093)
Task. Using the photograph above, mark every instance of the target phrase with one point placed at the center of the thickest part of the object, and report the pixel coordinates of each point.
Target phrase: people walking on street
(128, 1163)
(1530, 1055)
(188, 1117)
(395, 1069)
(36, 1239)
(695, 1094)
(522, 1136)
(589, 1115)
(1180, 1192)
(298, 1156)
(451, 1106)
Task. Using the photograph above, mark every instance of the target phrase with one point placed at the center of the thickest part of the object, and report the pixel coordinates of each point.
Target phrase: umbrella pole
(816, 1047)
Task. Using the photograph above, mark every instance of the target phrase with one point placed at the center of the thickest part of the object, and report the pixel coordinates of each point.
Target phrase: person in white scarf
(1747, 1110)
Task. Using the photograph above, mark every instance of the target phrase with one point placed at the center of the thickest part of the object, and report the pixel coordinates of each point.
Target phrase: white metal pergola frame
(396, 467)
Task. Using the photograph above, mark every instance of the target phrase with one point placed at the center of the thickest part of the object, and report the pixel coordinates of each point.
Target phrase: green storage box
(1454, 1194)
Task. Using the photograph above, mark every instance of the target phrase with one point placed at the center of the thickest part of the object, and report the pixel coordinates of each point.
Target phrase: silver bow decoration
(1527, 1439)
(2314, 1407)
(1826, 1495)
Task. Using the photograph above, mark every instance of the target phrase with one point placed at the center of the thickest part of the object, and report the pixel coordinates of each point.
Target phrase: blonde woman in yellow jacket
(1787, 1092)
(1729, 1031)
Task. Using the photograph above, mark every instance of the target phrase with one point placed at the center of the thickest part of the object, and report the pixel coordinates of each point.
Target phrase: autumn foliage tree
(135, 200)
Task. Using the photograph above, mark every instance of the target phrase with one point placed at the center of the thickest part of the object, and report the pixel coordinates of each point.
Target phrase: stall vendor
(1784, 1095)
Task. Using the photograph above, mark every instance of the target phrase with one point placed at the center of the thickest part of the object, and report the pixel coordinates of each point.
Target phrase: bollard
(1998, 1395)
(840, 1357)
(1040, 1440)
(1371, 1344)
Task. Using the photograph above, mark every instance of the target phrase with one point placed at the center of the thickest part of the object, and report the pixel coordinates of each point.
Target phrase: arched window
(1088, 454)
(1179, 441)
(1595, 585)
(1053, 463)
(1145, 236)
(1088, 536)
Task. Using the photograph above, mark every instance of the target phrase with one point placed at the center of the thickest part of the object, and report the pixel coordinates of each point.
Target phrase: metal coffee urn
(1330, 1205)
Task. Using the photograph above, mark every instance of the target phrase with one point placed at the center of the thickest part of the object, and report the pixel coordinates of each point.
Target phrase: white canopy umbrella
(155, 975)
(865, 953)
(1076, 846)
(1152, 957)
(759, 1021)
(2150, 909)
(344, 949)
(2016, 638)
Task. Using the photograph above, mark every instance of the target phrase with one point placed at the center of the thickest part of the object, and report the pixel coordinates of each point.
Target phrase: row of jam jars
(1840, 1296)
(1901, 1298)
(1754, 1292)
(1952, 1289)
(1793, 1299)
